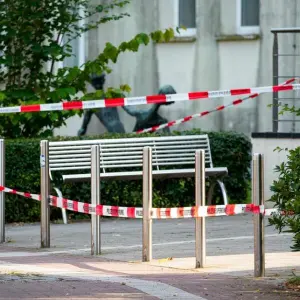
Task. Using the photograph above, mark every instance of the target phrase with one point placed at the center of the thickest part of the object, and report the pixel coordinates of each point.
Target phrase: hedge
(229, 149)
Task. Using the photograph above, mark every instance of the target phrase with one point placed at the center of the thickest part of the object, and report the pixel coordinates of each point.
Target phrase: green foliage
(37, 33)
(286, 197)
(229, 149)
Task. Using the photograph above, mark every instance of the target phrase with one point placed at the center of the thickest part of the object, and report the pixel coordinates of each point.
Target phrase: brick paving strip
(84, 277)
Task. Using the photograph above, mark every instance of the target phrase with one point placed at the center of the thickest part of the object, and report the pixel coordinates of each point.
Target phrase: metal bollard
(45, 192)
(95, 193)
(147, 204)
(2, 194)
(258, 199)
(200, 230)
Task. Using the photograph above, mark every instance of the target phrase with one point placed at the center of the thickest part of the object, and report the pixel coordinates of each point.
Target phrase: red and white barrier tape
(204, 113)
(157, 213)
(118, 102)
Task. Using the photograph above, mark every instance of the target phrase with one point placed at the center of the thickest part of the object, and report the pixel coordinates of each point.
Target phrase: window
(248, 16)
(185, 15)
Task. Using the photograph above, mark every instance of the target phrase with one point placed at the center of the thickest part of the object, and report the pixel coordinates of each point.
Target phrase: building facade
(227, 44)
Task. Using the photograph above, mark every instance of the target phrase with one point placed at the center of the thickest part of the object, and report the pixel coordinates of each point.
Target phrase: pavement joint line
(74, 251)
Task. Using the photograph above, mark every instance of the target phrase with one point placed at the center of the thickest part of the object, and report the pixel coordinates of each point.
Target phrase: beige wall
(203, 64)
(272, 158)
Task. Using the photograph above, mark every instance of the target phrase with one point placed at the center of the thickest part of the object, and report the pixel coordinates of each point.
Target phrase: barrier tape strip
(118, 102)
(157, 213)
(205, 113)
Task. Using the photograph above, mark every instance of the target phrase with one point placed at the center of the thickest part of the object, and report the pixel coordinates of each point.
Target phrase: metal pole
(258, 199)
(45, 191)
(200, 232)
(147, 204)
(275, 82)
(2, 194)
(95, 193)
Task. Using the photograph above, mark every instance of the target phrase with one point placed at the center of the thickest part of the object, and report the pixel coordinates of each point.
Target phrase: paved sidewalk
(29, 275)
(67, 271)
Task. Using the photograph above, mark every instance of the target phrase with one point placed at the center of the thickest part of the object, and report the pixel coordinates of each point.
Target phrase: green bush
(286, 197)
(229, 150)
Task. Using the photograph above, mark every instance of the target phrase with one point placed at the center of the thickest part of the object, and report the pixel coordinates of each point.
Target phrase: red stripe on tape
(171, 123)
(238, 101)
(256, 209)
(204, 113)
(186, 119)
(154, 128)
(86, 208)
(54, 201)
(75, 205)
(290, 81)
(282, 88)
(221, 107)
(156, 99)
(249, 208)
(240, 92)
(114, 102)
(229, 209)
(2, 188)
(168, 212)
(13, 192)
(30, 108)
(131, 212)
(27, 195)
(64, 203)
(197, 95)
(114, 211)
(180, 212)
(254, 95)
(99, 210)
(211, 210)
(72, 105)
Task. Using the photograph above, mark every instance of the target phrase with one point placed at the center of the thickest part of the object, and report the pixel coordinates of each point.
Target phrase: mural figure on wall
(146, 118)
(108, 116)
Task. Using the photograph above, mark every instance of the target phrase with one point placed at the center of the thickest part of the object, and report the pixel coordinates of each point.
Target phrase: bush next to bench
(228, 149)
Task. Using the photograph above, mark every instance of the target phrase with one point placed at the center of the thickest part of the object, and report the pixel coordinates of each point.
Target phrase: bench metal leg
(63, 210)
(211, 191)
(224, 193)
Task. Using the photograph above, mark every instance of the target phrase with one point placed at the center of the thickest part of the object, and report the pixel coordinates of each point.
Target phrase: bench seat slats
(178, 173)
(128, 153)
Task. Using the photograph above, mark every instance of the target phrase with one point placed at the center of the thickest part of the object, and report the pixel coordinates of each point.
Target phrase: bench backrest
(169, 151)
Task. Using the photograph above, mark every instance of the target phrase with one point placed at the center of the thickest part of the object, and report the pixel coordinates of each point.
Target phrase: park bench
(122, 159)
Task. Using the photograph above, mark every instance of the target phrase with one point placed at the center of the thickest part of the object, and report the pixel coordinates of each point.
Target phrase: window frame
(189, 32)
(244, 30)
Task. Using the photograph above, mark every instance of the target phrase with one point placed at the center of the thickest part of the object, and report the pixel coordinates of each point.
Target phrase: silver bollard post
(147, 204)
(258, 199)
(95, 193)
(2, 194)
(45, 192)
(200, 230)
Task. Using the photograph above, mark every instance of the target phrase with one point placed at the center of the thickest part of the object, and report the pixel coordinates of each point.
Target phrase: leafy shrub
(229, 150)
(286, 197)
